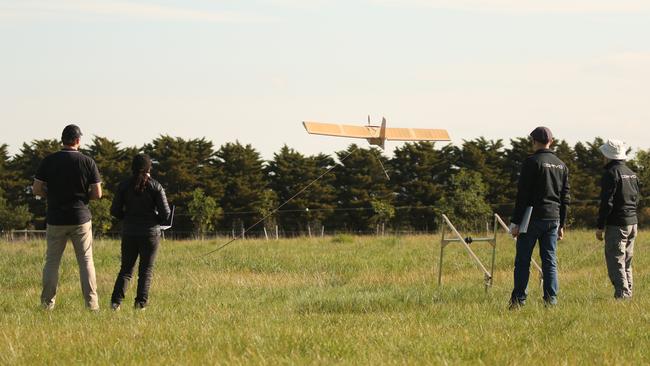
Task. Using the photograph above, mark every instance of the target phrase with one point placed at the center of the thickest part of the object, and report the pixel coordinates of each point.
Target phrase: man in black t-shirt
(68, 179)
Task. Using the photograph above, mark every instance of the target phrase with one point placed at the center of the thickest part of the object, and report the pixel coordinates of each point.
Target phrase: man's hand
(514, 230)
(560, 234)
(599, 235)
(39, 188)
(95, 191)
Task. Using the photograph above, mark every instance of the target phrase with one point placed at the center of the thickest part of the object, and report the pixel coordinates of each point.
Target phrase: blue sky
(253, 70)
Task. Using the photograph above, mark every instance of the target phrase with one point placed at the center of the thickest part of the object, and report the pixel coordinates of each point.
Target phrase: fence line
(268, 235)
(581, 203)
(22, 235)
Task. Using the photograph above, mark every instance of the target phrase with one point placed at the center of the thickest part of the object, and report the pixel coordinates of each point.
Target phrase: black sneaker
(516, 304)
(550, 302)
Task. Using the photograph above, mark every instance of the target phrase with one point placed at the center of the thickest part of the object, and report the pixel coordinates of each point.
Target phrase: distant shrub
(342, 239)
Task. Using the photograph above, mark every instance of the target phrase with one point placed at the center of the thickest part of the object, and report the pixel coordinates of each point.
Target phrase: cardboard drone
(376, 135)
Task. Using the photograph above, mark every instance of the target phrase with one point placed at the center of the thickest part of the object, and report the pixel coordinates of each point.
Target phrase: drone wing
(376, 135)
(416, 134)
(331, 129)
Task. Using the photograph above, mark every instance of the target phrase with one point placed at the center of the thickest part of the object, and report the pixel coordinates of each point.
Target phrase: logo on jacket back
(625, 176)
(552, 166)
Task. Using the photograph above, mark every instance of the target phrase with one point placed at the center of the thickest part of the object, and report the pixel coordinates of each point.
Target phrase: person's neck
(71, 147)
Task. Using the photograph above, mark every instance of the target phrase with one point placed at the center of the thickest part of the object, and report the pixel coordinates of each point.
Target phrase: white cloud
(580, 98)
(631, 61)
(617, 76)
(302, 4)
(529, 6)
(129, 10)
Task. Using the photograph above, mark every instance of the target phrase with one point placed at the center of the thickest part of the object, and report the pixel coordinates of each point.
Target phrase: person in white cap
(617, 218)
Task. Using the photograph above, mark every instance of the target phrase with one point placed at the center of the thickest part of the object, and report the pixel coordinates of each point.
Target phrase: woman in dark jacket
(141, 203)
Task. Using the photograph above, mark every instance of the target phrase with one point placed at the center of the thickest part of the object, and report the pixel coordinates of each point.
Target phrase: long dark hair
(140, 168)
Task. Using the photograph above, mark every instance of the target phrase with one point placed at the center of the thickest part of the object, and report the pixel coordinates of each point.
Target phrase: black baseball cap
(542, 134)
(70, 133)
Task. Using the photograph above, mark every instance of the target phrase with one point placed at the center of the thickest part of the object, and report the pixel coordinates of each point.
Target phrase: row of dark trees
(231, 187)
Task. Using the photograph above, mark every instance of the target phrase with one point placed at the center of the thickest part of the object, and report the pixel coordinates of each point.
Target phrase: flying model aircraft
(376, 135)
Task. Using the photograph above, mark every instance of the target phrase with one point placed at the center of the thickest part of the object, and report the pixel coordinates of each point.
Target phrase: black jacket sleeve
(117, 206)
(565, 198)
(161, 205)
(524, 190)
(607, 192)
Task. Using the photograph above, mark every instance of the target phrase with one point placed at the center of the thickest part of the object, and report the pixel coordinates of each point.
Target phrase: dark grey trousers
(134, 246)
(619, 249)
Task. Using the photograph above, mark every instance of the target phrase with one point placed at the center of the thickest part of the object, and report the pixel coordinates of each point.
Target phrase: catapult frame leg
(442, 252)
(459, 238)
(494, 251)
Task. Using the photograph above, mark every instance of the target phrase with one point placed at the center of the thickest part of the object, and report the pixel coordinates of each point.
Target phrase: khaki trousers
(82, 241)
(619, 249)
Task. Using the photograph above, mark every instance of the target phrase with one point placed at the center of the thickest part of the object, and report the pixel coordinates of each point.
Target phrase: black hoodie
(543, 184)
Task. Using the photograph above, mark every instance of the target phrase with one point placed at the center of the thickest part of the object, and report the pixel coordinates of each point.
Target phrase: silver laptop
(168, 224)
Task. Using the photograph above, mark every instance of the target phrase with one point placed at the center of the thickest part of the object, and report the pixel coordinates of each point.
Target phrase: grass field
(343, 300)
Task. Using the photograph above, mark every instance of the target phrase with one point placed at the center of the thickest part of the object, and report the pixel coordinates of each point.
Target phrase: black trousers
(134, 246)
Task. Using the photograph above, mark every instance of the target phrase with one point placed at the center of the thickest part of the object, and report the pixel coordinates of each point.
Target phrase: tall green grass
(352, 300)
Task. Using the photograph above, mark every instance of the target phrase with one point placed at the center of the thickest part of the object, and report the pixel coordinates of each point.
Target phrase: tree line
(231, 187)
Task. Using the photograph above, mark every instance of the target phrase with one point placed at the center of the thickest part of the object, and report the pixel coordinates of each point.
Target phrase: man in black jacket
(617, 217)
(544, 186)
